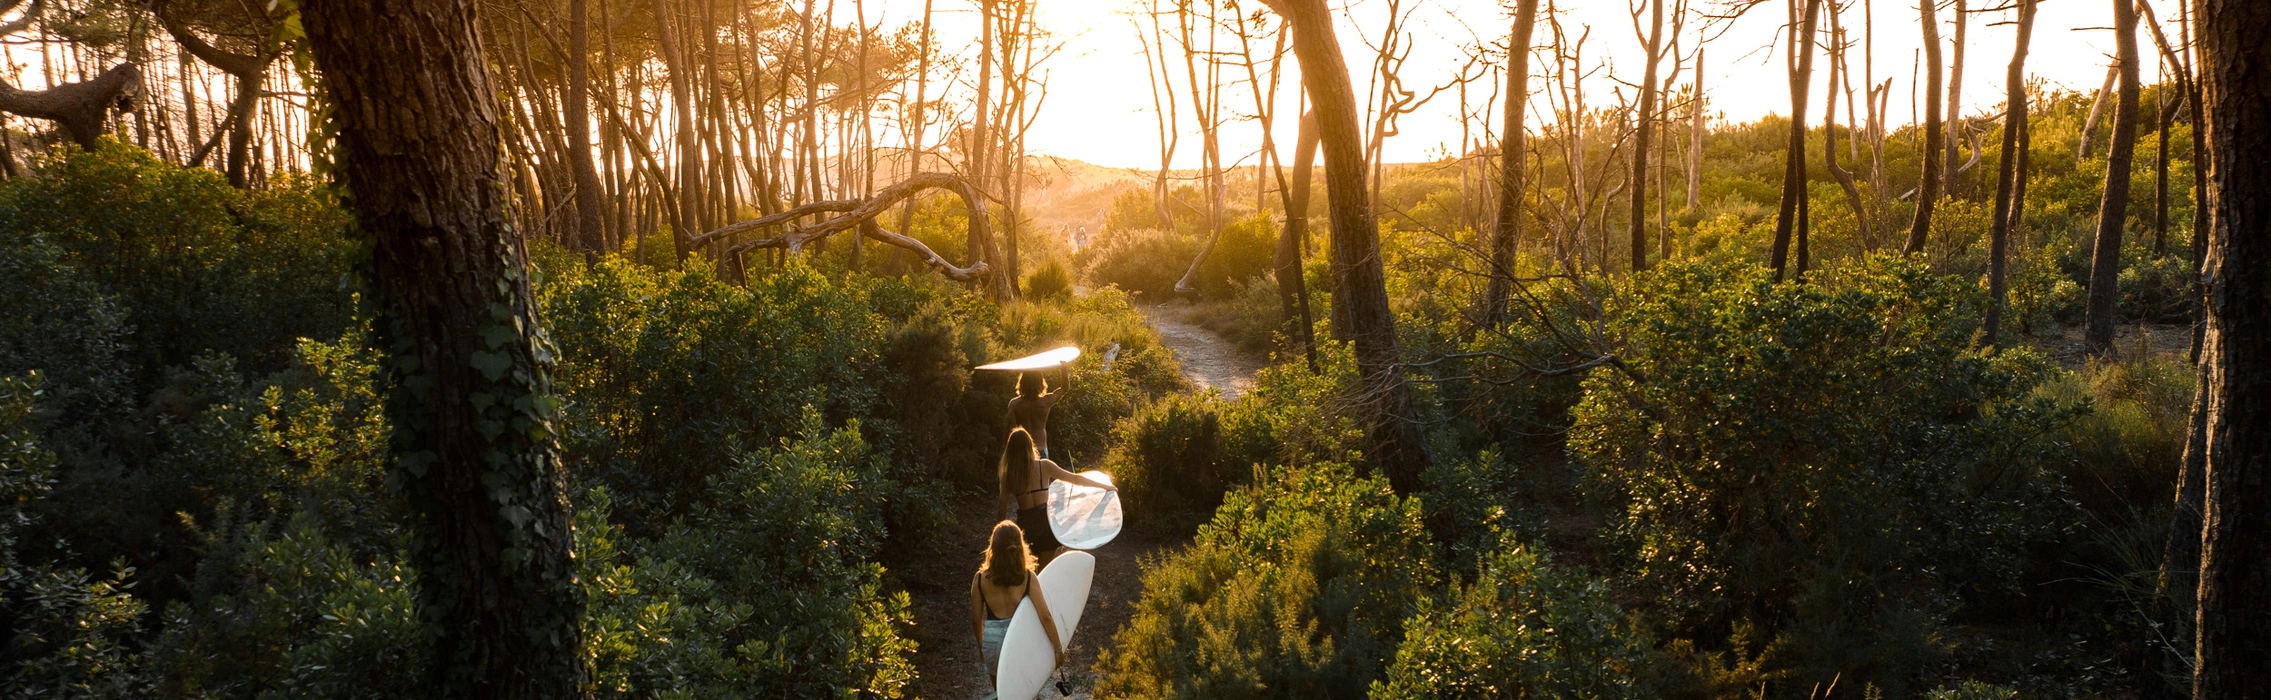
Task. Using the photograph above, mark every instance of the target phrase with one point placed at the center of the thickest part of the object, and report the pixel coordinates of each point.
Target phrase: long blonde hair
(1017, 461)
(1008, 545)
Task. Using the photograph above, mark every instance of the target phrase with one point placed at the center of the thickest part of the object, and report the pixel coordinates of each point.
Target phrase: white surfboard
(1026, 657)
(1083, 517)
(1042, 360)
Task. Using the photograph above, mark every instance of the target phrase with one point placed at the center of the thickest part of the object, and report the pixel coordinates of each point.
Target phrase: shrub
(1524, 628)
(1176, 457)
(1830, 459)
(669, 373)
(1297, 589)
(1049, 281)
(792, 532)
(1146, 262)
(195, 265)
(1246, 249)
(69, 634)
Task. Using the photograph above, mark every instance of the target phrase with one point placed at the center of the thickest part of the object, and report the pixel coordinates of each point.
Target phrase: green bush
(792, 533)
(1831, 460)
(1146, 262)
(1524, 628)
(669, 373)
(68, 634)
(1176, 457)
(1297, 589)
(195, 265)
(2157, 289)
(1247, 249)
(1049, 281)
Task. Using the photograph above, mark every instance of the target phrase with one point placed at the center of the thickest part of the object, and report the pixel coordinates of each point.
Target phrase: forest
(625, 348)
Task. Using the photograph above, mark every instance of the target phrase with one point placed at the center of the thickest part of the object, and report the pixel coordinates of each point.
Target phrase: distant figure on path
(1004, 579)
(1030, 408)
(1025, 478)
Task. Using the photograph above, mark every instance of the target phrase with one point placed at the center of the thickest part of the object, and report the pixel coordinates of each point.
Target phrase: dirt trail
(937, 575)
(1208, 360)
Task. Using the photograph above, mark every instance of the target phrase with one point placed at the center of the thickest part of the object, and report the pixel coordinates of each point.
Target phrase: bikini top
(990, 608)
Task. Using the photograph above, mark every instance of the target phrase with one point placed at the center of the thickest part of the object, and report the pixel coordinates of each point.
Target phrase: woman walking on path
(1005, 578)
(1024, 491)
(1030, 408)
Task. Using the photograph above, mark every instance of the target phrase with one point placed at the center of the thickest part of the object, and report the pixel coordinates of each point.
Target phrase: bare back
(1033, 415)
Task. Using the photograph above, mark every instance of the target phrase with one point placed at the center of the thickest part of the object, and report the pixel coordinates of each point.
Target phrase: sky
(1099, 104)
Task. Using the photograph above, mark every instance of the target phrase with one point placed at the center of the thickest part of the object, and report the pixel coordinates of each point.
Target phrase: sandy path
(937, 575)
(1207, 359)
(939, 583)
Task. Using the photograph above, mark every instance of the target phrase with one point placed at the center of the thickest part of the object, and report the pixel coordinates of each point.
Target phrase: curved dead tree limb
(30, 14)
(855, 213)
(930, 257)
(79, 107)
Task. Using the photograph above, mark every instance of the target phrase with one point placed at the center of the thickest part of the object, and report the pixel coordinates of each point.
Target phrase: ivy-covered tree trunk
(2113, 208)
(1360, 295)
(468, 369)
(2234, 623)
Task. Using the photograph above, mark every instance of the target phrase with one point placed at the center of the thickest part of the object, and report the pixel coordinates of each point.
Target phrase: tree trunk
(2113, 208)
(1360, 285)
(80, 107)
(1513, 149)
(1794, 164)
(1862, 226)
(2097, 107)
(589, 224)
(2167, 111)
(2008, 178)
(2007, 175)
(1643, 123)
(1293, 292)
(469, 369)
(1955, 133)
(1928, 186)
(2234, 622)
(689, 207)
(1695, 139)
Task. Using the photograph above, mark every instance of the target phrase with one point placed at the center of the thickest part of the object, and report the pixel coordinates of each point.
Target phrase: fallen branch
(861, 214)
(930, 257)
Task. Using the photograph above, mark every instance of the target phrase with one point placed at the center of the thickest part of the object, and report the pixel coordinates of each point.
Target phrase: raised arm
(1048, 622)
(1059, 473)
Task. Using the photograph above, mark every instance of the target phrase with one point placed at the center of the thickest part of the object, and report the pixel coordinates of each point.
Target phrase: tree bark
(1928, 186)
(2007, 175)
(2234, 620)
(689, 205)
(1862, 225)
(2097, 107)
(1695, 139)
(1513, 149)
(1293, 291)
(590, 227)
(80, 107)
(469, 369)
(1954, 140)
(2113, 207)
(1644, 123)
(1360, 284)
(1794, 163)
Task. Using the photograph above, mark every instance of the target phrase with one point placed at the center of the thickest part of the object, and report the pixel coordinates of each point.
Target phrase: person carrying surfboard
(1005, 578)
(1030, 408)
(1024, 491)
